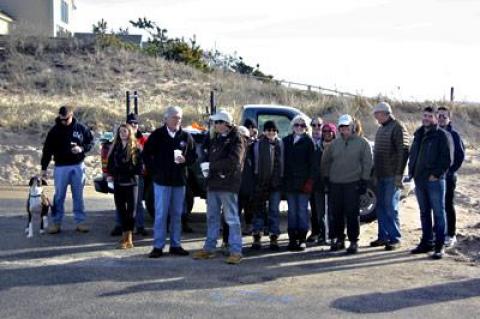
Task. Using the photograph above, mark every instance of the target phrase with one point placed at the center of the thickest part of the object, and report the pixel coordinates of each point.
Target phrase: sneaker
(82, 228)
(312, 238)
(178, 251)
(392, 246)
(155, 253)
(378, 243)
(203, 254)
(234, 259)
(353, 248)
(141, 231)
(450, 241)
(421, 249)
(439, 252)
(116, 231)
(54, 229)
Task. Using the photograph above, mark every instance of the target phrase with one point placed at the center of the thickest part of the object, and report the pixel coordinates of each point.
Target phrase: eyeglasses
(219, 122)
(316, 125)
(299, 125)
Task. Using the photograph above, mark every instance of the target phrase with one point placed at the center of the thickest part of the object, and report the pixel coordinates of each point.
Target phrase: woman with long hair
(124, 166)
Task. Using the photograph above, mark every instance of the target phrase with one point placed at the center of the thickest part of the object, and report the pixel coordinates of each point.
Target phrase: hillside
(38, 75)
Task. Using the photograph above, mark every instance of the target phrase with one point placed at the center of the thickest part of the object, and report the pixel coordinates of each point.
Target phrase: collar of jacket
(390, 120)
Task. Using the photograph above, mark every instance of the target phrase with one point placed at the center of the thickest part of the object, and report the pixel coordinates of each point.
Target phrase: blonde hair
(301, 118)
(132, 149)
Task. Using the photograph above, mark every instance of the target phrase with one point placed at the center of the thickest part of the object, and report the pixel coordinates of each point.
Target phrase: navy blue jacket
(298, 162)
(58, 144)
(429, 154)
(459, 152)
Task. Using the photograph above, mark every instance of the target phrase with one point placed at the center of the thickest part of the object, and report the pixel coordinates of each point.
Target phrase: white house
(5, 23)
(40, 17)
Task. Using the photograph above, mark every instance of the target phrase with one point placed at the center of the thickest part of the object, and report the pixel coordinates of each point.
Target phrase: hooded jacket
(298, 163)
(58, 144)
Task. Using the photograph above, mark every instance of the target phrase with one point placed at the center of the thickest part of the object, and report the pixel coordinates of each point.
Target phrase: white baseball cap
(222, 116)
(345, 119)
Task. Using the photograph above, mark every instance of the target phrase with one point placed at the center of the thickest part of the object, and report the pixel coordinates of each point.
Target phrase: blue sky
(407, 49)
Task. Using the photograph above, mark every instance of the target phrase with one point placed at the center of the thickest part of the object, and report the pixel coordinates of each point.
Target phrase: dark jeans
(321, 221)
(451, 183)
(345, 202)
(125, 198)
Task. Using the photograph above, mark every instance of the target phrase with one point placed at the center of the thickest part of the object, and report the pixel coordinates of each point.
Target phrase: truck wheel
(368, 205)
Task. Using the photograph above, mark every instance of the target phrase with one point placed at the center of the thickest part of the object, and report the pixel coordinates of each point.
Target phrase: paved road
(74, 275)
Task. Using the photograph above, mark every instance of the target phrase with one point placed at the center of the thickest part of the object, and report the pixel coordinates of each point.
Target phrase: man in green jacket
(347, 164)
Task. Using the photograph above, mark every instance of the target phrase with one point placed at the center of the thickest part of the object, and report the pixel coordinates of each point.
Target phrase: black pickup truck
(282, 115)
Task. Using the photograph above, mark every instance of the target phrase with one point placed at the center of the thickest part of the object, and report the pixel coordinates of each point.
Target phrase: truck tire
(368, 205)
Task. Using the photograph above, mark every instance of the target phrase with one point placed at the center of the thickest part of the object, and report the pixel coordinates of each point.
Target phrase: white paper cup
(176, 153)
(205, 167)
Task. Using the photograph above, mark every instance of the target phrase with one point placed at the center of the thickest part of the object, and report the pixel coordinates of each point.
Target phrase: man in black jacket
(429, 161)
(67, 142)
(167, 153)
(451, 179)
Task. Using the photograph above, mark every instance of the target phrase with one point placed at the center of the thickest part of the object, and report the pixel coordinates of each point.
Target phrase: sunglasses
(299, 125)
(219, 122)
(271, 130)
(316, 125)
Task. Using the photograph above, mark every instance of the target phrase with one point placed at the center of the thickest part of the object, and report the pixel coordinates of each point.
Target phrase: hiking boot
(129, 242)
(141, 231)
(257, 244)
(155, 253)
(274, 243)
(421, 249)
(337, 245)
(116, 231)
(82, 228)
(203, 254)
(439, 252)
(393, 246)
(234, 259)
(178, 251)
(450, 241)
(312, 238)
(54, 229)
(378, 243)
(123, 242)
(353, 248)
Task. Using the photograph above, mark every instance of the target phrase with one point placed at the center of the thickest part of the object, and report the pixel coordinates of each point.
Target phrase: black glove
(362, 187)
(326, 185)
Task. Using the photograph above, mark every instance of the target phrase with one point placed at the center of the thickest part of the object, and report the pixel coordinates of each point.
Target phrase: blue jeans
(388, 199)
(273, 216)
(168, 202)
(140, 210)
(229, 202)
(298, 211)
(73, 175)
(431, 197)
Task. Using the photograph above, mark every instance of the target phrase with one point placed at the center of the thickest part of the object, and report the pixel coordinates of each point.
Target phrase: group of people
(326, 165)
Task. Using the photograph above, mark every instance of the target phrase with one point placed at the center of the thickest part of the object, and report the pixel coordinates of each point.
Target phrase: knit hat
(383, 107)
(270, 125)
(331, 127)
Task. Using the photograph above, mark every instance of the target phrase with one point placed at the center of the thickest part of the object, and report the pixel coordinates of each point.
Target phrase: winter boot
(257, 245)
(274, 243)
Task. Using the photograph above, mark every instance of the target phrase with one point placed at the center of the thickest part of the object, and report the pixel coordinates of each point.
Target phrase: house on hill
(50, 18)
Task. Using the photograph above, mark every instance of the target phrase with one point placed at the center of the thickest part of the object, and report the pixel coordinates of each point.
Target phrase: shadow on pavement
(396, 300)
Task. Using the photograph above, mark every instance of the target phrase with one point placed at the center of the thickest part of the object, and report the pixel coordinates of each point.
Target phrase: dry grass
(38, 76)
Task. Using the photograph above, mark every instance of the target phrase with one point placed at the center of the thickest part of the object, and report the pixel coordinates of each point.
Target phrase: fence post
(452, 94)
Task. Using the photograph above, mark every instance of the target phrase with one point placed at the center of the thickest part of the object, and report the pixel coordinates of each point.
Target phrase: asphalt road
(73, 275)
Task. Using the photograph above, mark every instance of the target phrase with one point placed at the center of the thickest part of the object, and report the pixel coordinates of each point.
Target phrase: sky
(405, 49)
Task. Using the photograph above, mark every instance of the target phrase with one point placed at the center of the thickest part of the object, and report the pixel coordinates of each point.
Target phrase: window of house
(64, 11)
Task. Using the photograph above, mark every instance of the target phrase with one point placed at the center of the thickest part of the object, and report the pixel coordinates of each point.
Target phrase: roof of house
(128, 38)
(5, 17)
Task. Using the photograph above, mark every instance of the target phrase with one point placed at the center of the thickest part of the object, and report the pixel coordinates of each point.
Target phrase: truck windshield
(282, 122)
